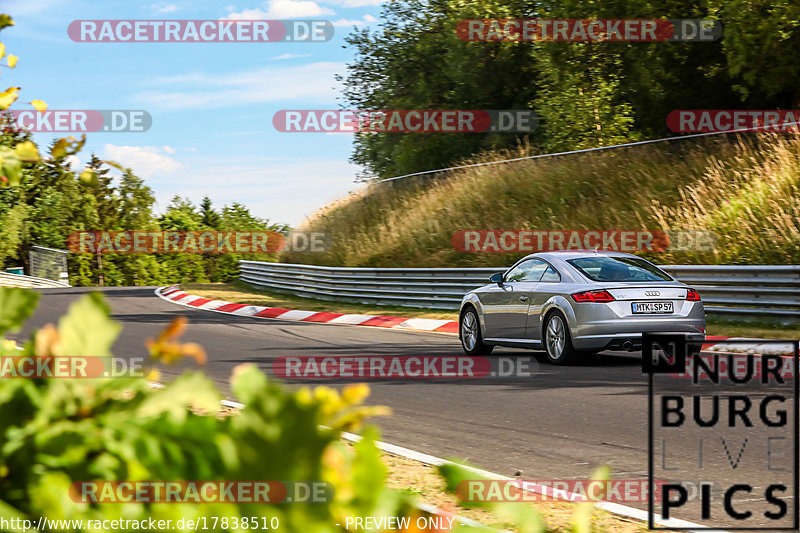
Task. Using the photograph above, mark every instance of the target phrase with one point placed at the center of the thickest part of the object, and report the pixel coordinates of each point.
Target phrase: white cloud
(248, 14)
(368, 19)
(282, 9)
(163, 8)
(145, 161)
(288, 56)
(314, 81)
(73, 162)
(168, 149)
(263, 186)
(355, 3)
(21, 8)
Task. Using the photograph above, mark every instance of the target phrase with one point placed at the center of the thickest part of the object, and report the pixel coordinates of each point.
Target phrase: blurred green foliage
(54, 432)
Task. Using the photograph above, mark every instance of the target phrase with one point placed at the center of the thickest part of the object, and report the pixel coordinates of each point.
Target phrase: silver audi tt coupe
(574, 303)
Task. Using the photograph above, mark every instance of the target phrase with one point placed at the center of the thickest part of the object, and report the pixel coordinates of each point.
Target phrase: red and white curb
(771, 348)
(176, 295)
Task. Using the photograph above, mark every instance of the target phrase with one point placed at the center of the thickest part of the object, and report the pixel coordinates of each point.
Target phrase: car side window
(550, 275)
(530, 270)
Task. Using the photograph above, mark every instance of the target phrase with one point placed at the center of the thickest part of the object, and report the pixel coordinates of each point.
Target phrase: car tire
(469, 332)
(558, 341)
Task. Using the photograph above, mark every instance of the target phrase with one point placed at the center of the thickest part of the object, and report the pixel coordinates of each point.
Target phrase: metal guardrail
(27, 282)
(745, 291)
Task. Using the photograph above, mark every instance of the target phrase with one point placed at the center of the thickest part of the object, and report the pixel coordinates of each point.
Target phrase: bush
(54, 432)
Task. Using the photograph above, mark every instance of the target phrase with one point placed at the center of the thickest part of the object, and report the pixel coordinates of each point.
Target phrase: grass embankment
(746, 190)
(239, 292)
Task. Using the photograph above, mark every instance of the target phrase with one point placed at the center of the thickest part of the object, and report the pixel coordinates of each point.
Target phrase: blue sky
(212, 103)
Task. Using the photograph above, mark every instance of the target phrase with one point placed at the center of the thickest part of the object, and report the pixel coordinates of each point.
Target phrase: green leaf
(16, 306)
(115, 165)
(582, 517)
(6, 20)
(89, 177)
(454, 475)
(87, 329)
(27, 151)
(74, 145)
(189, 390)
(369, 472)
(66, 145)
(11, 167)
(247, 383)
(524, 517)
(59, 149)
(8, 97)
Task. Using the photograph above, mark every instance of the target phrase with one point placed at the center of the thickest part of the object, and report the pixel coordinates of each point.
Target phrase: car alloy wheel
(470, 334)
(555, 337)
(469, 330)
(557, 340)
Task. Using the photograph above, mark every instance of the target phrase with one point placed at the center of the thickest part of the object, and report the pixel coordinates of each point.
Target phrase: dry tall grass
(744, 189)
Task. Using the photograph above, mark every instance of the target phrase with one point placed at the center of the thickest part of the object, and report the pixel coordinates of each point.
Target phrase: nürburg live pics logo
(723, 443)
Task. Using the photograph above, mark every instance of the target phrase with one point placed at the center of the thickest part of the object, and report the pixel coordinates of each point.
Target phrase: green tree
(415, 60)
(182, 215)
(237, 217)
(762, 49)
(135, 214)
(209, 217)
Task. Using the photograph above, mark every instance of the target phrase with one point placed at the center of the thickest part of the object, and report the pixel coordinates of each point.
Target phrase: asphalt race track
(558, 423)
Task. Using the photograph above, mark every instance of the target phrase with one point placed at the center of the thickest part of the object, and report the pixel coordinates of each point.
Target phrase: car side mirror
(497, 278)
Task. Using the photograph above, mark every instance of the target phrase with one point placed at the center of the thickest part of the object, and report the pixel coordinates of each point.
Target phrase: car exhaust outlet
(627, 346)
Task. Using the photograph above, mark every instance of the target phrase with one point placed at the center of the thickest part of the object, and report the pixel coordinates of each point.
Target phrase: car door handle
(523, 298)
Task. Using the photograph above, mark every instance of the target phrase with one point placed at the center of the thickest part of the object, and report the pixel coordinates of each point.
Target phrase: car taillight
(692, 296)
(593, 296)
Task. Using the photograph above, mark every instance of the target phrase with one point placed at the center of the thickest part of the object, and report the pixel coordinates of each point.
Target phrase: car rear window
(604, 268)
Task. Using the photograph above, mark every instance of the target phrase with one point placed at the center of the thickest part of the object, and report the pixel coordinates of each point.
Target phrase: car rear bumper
(615, 333)
(624, 341)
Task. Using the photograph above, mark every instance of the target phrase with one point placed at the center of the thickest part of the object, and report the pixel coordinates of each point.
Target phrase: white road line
(616, 508)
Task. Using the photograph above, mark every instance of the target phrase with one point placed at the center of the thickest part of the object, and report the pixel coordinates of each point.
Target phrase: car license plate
(651, 308)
